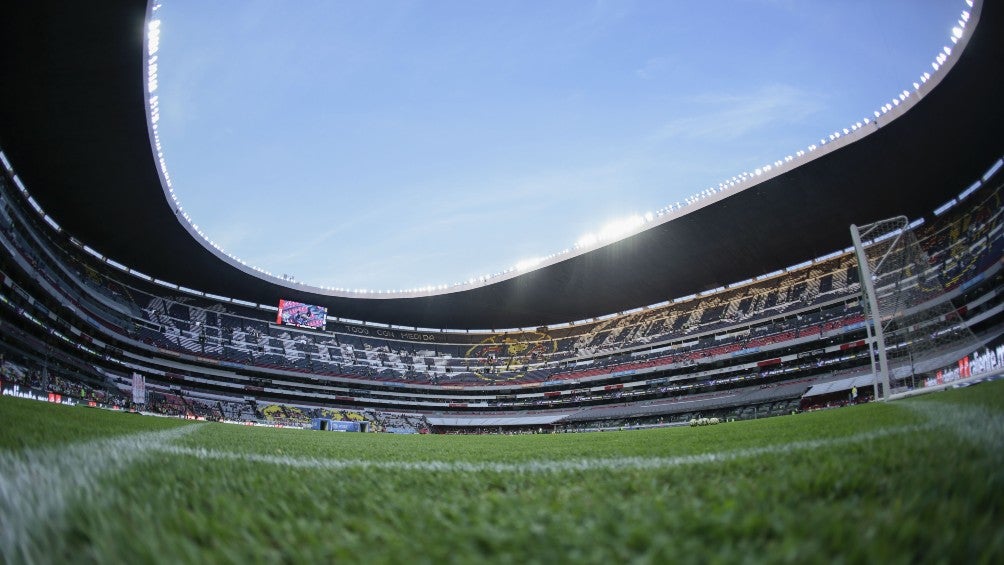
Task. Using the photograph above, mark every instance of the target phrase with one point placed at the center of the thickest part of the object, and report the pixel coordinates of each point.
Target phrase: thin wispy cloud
(653, 68)
(728, 117)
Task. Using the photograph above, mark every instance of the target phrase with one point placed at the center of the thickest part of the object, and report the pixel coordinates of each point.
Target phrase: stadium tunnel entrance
(331, 425)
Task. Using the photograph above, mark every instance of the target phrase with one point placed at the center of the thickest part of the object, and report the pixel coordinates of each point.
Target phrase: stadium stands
(744, 350)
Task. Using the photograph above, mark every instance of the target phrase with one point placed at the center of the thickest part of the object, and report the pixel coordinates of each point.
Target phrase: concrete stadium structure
(741, 301)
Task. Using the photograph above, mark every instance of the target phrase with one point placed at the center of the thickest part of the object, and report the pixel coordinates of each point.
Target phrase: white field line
(37, 485)
(539, 466)
(976, 424)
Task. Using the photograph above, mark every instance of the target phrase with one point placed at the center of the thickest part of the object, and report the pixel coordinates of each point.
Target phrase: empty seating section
(255, 342)
(167, 403)
(175, 323)
(300, 416)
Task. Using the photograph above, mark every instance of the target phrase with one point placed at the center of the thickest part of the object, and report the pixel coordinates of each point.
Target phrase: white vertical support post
(872, 358)
(868, 288)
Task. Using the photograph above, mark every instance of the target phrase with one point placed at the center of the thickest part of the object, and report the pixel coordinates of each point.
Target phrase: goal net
(914, 328)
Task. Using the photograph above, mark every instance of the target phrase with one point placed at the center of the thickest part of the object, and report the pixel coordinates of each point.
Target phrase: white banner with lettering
(138, 388)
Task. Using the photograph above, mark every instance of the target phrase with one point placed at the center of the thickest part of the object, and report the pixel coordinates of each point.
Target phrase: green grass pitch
(919, 480)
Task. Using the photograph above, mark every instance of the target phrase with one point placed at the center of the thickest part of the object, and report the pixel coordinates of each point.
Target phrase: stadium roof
(74, 123)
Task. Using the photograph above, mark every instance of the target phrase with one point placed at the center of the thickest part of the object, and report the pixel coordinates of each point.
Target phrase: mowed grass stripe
(908, 497)
(666, 442)
(29, 424)
(540, 466)
(875, 483)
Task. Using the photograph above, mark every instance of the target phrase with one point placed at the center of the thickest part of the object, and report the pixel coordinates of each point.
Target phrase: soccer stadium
(797, 364)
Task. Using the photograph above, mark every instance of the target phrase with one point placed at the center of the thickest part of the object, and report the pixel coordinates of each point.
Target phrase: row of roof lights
(614, 231)
(997, 166)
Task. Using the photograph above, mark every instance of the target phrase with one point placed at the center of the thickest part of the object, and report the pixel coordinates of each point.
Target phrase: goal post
(873, 316)
(913, 326)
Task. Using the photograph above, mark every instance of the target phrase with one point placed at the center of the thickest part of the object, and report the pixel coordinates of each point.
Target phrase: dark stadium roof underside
(73, 122)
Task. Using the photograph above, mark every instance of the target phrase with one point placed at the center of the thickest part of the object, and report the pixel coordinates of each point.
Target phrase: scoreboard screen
(301, 315)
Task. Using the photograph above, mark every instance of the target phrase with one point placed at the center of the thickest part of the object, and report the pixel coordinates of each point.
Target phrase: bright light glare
(587, 240)
(527, 264)
(620, 228)
(614, 230)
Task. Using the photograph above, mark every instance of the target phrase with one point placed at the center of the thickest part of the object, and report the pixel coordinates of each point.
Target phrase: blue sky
(399, 144)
